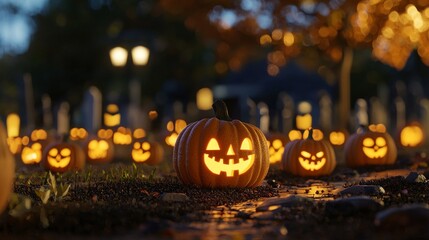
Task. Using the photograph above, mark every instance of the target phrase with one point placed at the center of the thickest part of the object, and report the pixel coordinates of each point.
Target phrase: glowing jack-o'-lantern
(63, 156)
(145, 151)
(32, 154)
(220, 152)
(367, 147)
(99, 150)
(411, 135)
(105, 133)
(309, 157)
(7, 169)
(338, 137)
(112, 117)
(174, 129)
(227, 164)
(276, 142)
(78, 134)
(122, 136)
(14, 144)
(38, 135)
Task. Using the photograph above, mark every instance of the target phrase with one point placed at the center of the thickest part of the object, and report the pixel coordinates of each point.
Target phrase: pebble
(415, 177)
(290, 201)
(370, 190)
(412, 217)
(348, 206)
(174, 197)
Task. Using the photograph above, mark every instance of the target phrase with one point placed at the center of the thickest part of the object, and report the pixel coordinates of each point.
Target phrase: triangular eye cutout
(246, 144)
(213, 145)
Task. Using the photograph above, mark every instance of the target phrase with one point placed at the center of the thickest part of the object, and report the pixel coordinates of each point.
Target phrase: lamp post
(140, 57)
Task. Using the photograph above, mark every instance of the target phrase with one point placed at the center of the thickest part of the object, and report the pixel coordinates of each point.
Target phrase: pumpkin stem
(310, 134)
(221, 111)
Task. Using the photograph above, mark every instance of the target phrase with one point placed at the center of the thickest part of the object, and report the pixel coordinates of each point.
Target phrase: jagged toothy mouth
(230, 167)
(310, 165)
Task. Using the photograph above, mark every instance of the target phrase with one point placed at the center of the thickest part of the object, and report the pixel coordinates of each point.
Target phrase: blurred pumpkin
(338, 138)
(220, 152)
(309, 157)
(98, 150)
(62, 156)
(7, 169)
(411, 135)
(370, 147)
(146, 151)
(276, 145)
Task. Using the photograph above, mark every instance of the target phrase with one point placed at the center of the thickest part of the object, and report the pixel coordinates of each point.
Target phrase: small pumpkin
(411, 135)
(309, 157)
(146, 151)
(7, 169)
(276, 145)
(338, 138)
(369, 147)
(62, 156)
(220, 152)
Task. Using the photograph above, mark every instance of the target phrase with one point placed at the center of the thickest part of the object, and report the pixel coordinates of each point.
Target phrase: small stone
(415, 177)
(174, 197)
(290, 201)
(351, 205)
(370, 190)
(413, 218)
(263, 215)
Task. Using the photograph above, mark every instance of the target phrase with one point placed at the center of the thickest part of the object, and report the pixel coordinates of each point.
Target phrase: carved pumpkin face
(122, 136)
(32, 154)
(39, 135)
(105, 133)
(221, 153)
(15, 144)
(174, 129)
(77, 134)
(312, 162)
(374, 148)
(99, 150)
(148, 152)
(276, 149)
(141, 151)
(309, 157)
(370, 147)
(276, 142)
(112, 117)
(227, 159)
(60, 157)
(411, 135)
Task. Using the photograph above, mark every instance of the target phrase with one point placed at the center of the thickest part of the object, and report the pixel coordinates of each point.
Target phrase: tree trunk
(344, 87)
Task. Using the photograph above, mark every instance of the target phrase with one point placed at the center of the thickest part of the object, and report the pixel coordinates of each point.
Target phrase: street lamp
(140, 58)
(140, 55)
(118, 56)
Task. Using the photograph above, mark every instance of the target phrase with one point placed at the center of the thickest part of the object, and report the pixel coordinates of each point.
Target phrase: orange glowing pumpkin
(370, 147)
(276, 145)
(146, 151)
(98, 150)
(309, 157)
(63, 156)
(220, 152)
(411, 135)
(7, 169)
